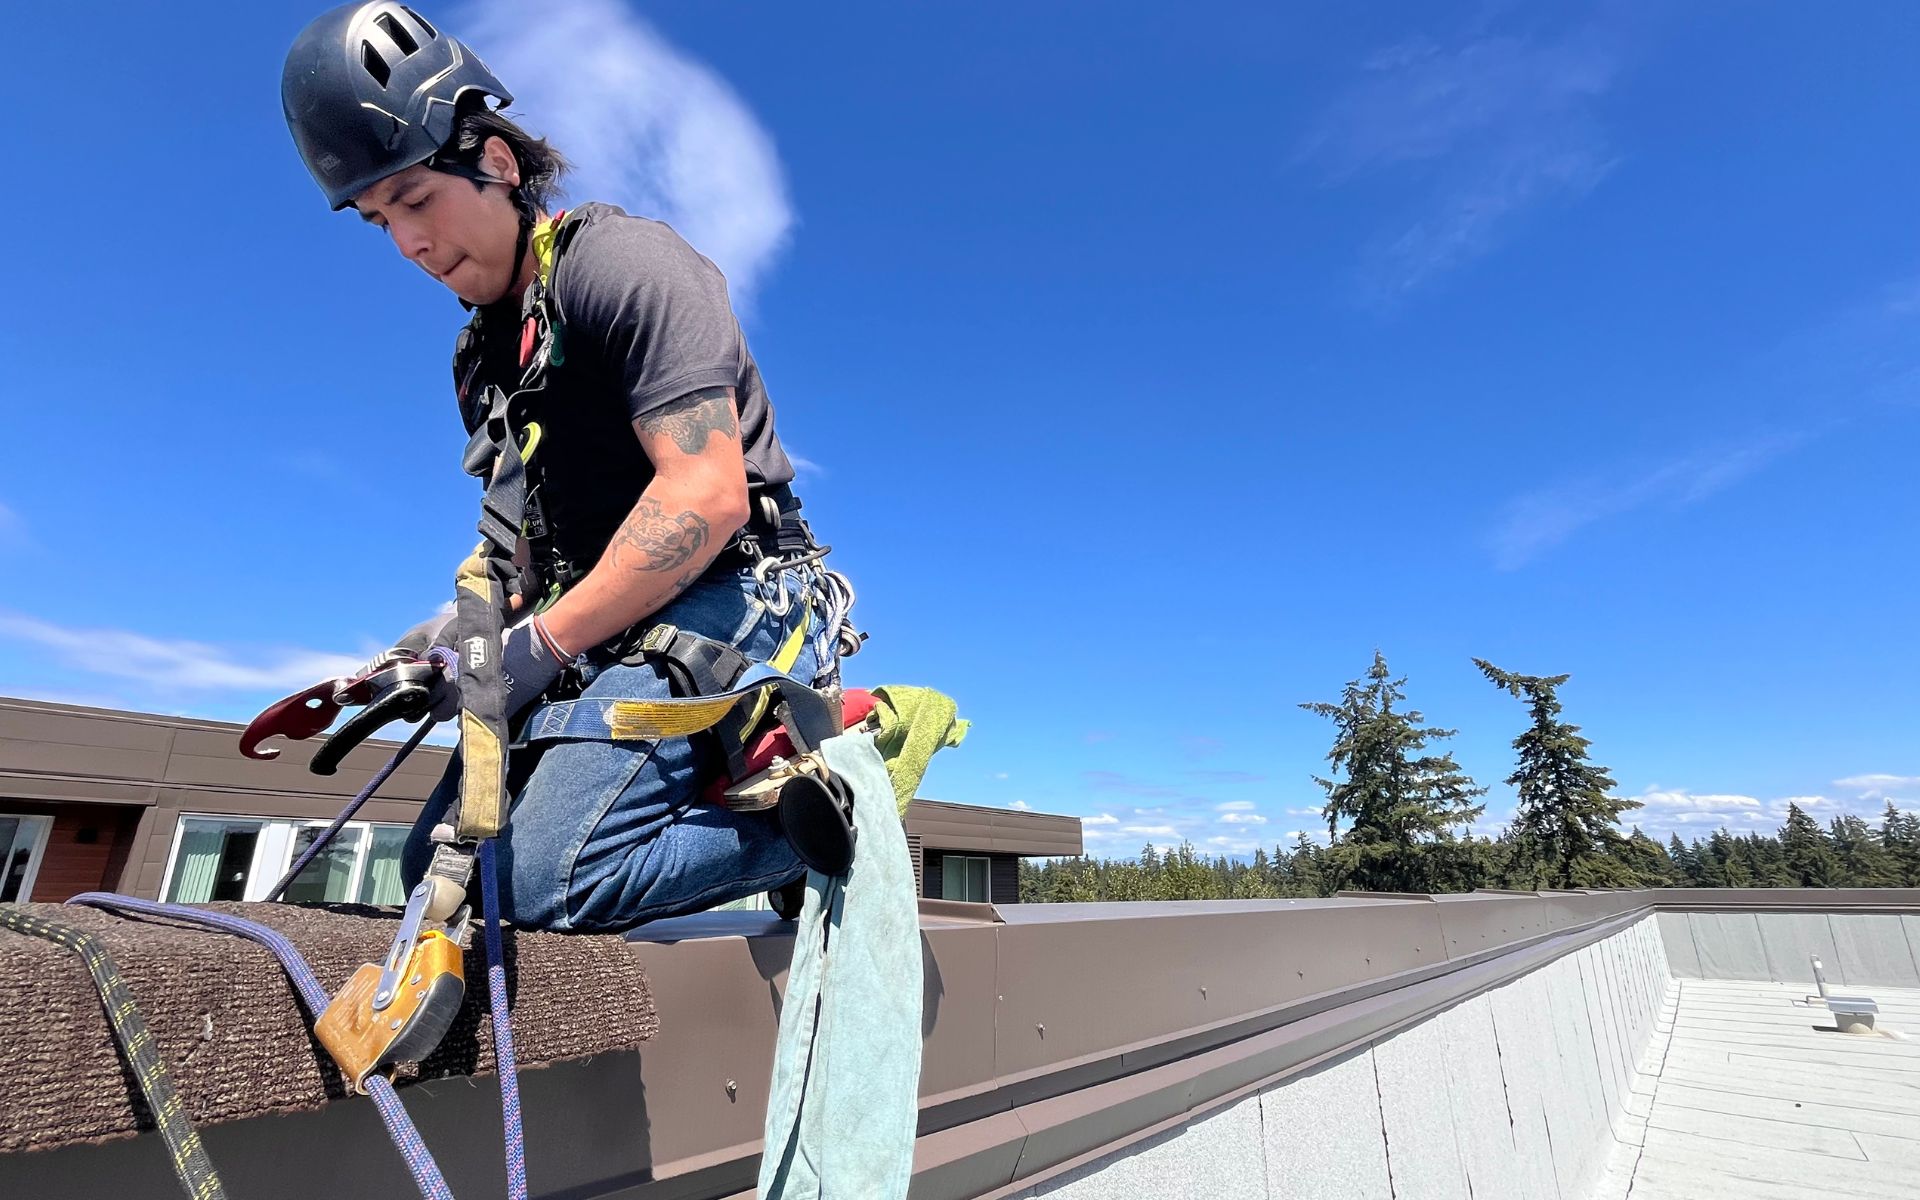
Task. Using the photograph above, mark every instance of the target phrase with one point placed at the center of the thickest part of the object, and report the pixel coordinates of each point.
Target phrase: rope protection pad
(189, 1157)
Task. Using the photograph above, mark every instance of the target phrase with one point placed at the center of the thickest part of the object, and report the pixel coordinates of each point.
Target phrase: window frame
(42, 825)
(273, 850)
(947, 864)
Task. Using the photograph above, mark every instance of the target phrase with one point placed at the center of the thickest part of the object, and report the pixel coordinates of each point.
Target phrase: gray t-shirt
(648, 317)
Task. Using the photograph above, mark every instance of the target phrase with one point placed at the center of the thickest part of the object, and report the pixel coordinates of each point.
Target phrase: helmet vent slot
(375, 65)
(401, 35)
(424, 23)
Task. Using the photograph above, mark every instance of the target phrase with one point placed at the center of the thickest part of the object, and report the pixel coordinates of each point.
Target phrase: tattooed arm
(696, 501)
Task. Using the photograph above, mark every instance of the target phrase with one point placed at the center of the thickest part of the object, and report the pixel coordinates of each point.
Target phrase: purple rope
(503, 1057)
(406, 1138)
(353, 806)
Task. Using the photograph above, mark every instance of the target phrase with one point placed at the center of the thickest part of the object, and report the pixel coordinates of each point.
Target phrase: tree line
(1399, 811)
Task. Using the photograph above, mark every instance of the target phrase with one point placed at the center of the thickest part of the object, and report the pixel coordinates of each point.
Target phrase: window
(963, 877)
(23, 843)
(241, 858)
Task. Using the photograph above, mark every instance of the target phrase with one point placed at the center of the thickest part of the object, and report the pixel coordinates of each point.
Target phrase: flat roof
(1757, 1094)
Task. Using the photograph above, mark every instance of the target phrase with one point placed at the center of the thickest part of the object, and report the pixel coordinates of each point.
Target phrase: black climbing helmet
(371, 89)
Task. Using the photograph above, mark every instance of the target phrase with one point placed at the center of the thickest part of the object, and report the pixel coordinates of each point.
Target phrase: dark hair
(541, 166)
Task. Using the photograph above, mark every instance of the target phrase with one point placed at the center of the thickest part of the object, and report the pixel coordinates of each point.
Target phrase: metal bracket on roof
(1851, 1014)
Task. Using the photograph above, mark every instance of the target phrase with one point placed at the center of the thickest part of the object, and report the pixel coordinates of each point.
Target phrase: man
(657, 490)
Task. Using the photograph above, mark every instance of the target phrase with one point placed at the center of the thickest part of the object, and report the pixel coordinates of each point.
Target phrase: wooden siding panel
(70, 865)
(931, 880)
(1003, 879)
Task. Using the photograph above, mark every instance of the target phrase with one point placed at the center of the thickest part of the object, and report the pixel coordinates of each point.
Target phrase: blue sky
(1151, 368)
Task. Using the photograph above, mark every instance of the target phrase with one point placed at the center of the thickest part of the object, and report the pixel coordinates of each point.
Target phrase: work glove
(530, 660)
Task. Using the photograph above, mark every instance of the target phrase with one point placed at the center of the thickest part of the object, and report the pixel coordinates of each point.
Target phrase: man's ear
(497, 159)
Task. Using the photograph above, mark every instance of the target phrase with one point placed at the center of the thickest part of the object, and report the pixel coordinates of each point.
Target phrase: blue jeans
(600, 837)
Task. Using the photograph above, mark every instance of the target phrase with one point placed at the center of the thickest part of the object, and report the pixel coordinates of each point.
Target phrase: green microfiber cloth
(914, 723)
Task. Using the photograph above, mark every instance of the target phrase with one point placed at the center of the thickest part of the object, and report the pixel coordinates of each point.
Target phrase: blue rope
(406, 1138)
(353, 806)
(503, 1057)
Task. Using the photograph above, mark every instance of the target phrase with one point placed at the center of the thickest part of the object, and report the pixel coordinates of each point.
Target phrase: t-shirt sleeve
(651, 312)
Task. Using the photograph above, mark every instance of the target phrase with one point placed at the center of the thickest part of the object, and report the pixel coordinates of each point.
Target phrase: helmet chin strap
(519, 249)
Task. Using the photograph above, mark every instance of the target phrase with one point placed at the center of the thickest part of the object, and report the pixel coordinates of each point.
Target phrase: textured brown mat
(231, 1030)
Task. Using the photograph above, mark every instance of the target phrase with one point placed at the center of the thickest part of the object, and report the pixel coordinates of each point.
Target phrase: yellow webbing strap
(482, 806)
(782, 661)
(651, 720)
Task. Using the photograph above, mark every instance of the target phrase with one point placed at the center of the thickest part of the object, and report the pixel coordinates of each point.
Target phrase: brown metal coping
(1054, 1034)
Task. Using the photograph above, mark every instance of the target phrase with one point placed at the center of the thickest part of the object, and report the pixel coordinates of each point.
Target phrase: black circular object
(816, 824)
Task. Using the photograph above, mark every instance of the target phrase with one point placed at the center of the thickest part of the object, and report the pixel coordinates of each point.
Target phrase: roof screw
(733, 1089)
(1203, 993)
(1041, 1030)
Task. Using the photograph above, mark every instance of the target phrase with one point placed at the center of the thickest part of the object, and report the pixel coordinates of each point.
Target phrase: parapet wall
(1510, 1094)
(1467, 1046)
(1857, 949)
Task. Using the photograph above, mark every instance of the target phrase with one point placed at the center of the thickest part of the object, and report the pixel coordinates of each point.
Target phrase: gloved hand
(415, 642)
(530, 660)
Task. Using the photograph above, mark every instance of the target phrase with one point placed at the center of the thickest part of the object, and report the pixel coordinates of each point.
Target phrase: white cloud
(1020, 805)
(1149, 830)
(1242, 818)
(1305, 812)
(1677, 801)
(1234, 806)
(1694, 815)
(176, 663)
(1101, 819)
(1490, 128)
(13, 529)
(646, 126)
(1881, 787)
(1539, 520)
(804, 467)
(1233, 845)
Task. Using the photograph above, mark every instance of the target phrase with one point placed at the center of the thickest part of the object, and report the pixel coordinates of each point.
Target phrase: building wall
(87, 846)
(1514, 1094)
(1003, 875)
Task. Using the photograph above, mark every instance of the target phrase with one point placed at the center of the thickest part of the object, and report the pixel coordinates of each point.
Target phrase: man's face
(462, 235)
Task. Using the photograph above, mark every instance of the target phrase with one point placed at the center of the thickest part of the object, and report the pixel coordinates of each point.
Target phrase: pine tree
(1649, 863)
(1305, 870)
(1566, 816)
(1396, 798)
(1686, 863)
(1864, 862)
(1808, 860)
(1900, 835)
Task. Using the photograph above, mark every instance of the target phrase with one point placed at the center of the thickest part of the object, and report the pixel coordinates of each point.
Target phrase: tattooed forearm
(692, 417)
(651, 540)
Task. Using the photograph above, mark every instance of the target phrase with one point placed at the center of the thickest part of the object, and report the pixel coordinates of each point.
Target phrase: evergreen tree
(1807, 859)
(1648, 862)
(1864, 862)
(1396, 798)
(1566, 816)
(1900, 835)
(1686, 863)
(1307, 873)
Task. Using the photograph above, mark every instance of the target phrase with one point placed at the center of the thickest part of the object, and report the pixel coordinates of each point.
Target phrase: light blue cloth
(844, 1104)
